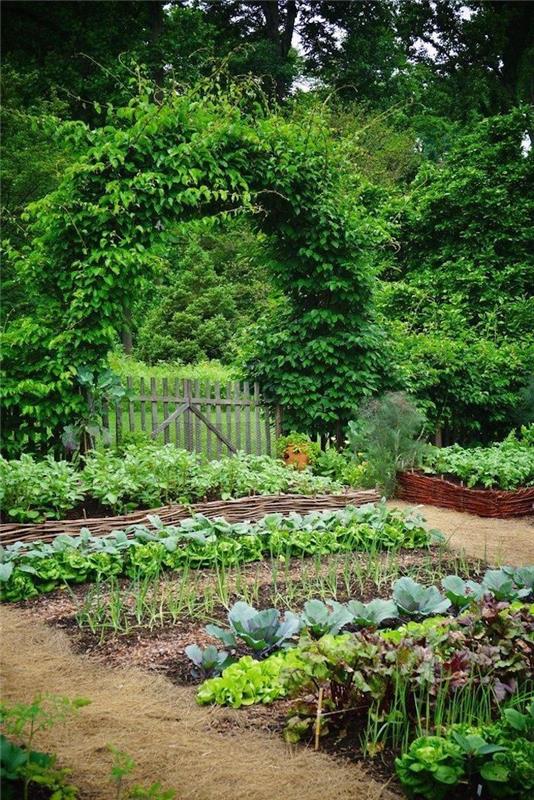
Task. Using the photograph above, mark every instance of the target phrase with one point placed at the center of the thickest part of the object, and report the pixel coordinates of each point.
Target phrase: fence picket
(177, 420)
(154, 404)
(142, 404)
(166, 431)
(131, 407)
(228, 393)
(246, 396)
(218, 416)
(237, 398)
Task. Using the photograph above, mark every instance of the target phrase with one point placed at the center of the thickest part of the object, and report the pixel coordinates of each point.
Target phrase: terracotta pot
(295, 457)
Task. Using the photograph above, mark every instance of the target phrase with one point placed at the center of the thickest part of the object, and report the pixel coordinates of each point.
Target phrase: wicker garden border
(241, 509)
(437, 491)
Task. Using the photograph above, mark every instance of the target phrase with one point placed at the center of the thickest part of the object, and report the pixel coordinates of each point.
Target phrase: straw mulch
(172, 740)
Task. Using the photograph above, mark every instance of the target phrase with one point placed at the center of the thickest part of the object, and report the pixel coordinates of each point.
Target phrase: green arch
(155, 163)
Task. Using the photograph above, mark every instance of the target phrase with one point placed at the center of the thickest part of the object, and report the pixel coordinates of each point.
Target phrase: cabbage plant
(321, 618)
(263, 631)
(413, 598)
(208, 661)
(462, 593)
(372, 614)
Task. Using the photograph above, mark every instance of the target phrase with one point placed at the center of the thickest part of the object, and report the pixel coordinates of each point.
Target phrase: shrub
(388, 430)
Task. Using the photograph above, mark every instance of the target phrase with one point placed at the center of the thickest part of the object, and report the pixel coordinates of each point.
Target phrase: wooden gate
(207, 417)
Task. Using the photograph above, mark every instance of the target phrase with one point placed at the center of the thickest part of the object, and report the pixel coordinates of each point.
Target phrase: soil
(498, 541)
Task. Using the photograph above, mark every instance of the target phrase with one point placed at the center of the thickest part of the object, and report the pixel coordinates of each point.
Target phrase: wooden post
(196, 422)
(218, 416)
(257, 418)
(131, 407)
(176, 421)
(188, 433)
(237, 397)
(228, 393)
(246, 398)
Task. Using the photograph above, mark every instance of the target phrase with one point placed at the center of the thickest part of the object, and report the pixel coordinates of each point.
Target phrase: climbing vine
(161, 161)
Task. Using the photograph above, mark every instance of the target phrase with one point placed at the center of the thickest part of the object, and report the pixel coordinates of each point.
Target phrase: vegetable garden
(259, 290)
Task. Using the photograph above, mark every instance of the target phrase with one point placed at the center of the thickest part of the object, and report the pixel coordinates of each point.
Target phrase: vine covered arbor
(160, 162)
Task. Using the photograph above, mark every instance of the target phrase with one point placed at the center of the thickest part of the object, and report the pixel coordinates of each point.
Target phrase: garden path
(499, 541)
(202, 753)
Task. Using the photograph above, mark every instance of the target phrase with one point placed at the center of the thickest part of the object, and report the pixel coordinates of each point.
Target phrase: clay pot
(296, 457)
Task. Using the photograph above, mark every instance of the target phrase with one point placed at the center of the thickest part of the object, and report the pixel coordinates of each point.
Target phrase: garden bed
(414, 487)
(235, 510)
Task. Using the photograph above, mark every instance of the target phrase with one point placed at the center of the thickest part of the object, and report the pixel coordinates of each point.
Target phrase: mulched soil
(161, 649)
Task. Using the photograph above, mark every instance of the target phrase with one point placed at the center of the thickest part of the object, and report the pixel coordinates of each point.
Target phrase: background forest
(427, 107)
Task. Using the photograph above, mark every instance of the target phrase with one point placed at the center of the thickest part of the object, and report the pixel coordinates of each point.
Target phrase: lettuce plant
(413, 598)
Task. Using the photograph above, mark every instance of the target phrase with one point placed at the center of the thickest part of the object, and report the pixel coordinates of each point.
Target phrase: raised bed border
(414, 487)
(241, 509)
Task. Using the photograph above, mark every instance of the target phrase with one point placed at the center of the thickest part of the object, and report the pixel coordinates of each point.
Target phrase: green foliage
(165, 161)
(210, 286)
(505, 465)
(27, 569)
(143, 475)
(31, 491)
(388, 432)
(127, 366)
(22, 768)
(263, 631)
(122, 766)
(497, 758)
(470, 386)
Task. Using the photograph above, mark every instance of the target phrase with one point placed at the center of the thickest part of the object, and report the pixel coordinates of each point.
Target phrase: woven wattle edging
(239, 510)
(417, 488)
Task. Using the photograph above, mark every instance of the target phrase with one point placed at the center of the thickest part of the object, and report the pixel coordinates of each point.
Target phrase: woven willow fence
(239, 510)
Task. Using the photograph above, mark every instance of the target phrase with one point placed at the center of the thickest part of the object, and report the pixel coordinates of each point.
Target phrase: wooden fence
(211, 418)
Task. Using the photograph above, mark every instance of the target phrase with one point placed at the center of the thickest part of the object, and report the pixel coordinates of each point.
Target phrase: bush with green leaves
(504, 465)
(388, 432)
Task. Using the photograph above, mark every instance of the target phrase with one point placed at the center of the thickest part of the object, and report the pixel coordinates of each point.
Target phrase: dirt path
(499, 541)
(202, 753)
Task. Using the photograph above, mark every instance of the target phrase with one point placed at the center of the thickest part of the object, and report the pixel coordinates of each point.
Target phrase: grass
(128, 366)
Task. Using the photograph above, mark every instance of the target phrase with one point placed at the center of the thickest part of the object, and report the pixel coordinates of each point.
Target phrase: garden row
(428, 690)
(28, 569)
(143, 477)
(152, 475)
